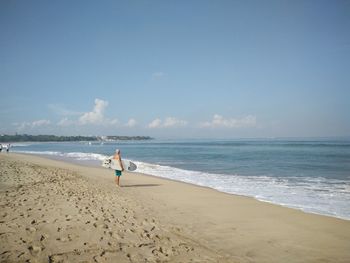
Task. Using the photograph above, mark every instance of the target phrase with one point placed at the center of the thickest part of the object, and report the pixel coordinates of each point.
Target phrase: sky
(169, 69)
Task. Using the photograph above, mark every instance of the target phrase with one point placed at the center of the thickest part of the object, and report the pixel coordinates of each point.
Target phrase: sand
(52, 211)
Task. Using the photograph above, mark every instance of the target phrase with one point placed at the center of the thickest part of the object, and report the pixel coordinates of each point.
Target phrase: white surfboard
(111, 163)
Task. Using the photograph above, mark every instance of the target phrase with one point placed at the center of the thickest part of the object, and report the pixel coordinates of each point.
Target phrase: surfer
(118, 173)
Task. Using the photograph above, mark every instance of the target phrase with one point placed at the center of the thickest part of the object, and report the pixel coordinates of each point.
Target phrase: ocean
(311, 175)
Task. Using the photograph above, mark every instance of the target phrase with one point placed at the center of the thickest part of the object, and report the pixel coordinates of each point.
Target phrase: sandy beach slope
(53, 211)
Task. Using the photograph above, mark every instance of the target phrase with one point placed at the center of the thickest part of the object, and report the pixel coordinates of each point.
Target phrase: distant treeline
(54, 138)
(124, 138)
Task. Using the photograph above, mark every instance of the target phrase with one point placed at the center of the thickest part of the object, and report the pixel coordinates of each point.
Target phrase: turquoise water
(312, 175)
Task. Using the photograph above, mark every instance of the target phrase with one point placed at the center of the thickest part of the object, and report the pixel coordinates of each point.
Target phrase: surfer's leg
(117, 176)
(117, 180)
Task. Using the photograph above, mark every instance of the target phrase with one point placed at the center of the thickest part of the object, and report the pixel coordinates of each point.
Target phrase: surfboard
(111, 163)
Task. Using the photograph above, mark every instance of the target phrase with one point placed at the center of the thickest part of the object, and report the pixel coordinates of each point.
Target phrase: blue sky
(175, 68)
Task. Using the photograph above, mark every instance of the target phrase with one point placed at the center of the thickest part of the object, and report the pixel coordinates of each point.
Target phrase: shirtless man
(118, 173)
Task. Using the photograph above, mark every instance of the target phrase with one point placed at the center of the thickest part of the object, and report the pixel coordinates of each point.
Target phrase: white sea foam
(18, 144)
(85, 156)
(40, 152)
(73, 155)
(315, 195)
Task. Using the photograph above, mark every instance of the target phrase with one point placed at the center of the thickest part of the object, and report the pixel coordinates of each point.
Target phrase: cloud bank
(219, 121)
(169, 122)
(96, 120)
(32, 125)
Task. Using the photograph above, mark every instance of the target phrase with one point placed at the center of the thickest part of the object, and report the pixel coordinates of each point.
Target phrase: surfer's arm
(121, 164)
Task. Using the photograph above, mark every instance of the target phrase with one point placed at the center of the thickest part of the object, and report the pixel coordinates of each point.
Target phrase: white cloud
(155, 124)
(65, 122)
(169, 122)
(32, 125)
(96, 116)
(173, 122)
(40, 123)
(131, 123)
(219, 121)
(111, 122)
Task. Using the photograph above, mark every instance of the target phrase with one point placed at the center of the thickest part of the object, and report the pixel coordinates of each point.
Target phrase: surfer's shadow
(140, 185)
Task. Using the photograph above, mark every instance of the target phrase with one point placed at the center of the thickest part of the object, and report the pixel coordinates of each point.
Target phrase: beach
(53, 211)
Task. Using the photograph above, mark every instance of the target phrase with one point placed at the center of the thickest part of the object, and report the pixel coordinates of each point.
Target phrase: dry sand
(53, 211)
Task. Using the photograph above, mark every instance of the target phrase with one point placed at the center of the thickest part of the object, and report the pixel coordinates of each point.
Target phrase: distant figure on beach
(8, 148)
(0, 147)
(118, 173)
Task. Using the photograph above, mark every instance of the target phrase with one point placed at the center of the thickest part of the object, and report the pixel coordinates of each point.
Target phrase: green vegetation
(54, 138)
(124, 138)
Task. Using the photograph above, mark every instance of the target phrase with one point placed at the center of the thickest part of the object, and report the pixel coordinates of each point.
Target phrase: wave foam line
(313, 195)
(73, 155)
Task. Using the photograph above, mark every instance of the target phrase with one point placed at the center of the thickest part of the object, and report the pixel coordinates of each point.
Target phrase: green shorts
(118, 173)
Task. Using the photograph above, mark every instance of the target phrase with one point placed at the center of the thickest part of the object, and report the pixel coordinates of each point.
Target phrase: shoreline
(220, 227)
(94, 163)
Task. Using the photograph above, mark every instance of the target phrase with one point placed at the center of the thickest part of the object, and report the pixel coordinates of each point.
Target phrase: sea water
(312, 175)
